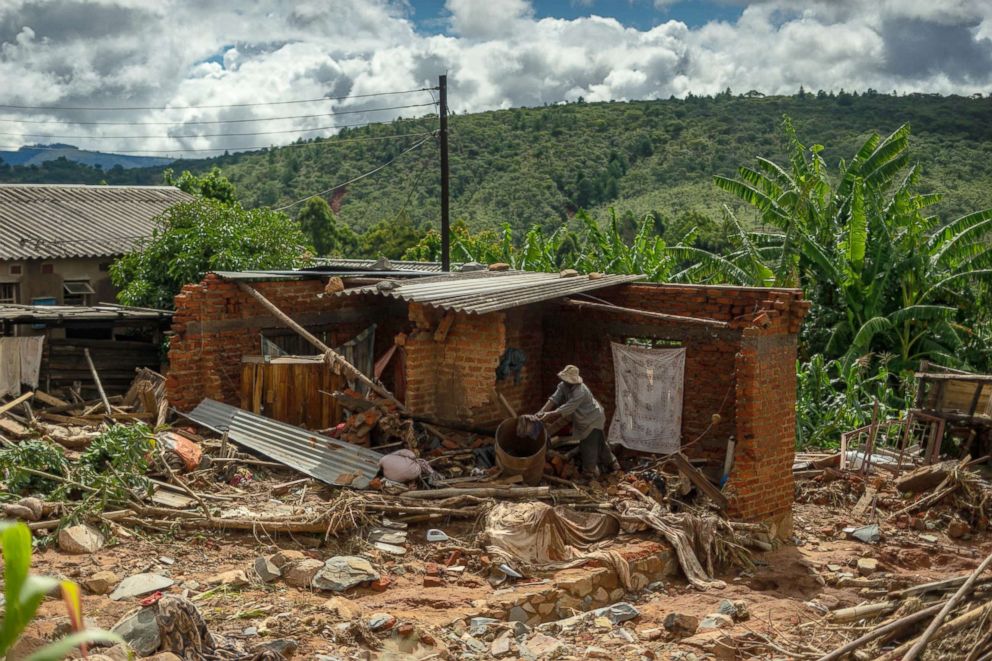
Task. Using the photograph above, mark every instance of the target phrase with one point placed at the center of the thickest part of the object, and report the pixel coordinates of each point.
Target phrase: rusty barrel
(520, 455)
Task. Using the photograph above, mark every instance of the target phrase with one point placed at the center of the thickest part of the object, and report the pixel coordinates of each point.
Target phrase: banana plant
(24, 592)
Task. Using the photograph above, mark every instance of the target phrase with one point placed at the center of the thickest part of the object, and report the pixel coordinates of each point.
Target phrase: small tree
(206, 235)
(328, 236)
(212, 185)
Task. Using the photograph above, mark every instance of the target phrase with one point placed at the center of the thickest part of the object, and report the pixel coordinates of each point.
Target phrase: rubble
(80, 539)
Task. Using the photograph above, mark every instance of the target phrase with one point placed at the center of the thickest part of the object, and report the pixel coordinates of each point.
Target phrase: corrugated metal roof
(322, 458)
(40, 221)
(481, 292)
(22, 314)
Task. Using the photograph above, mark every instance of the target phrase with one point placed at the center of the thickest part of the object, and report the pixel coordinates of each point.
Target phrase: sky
(150, 68)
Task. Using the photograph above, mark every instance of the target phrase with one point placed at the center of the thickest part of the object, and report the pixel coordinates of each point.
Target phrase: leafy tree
(327, 235)
(206, 235)
(883, 274)
(213, 185)
(389, 239)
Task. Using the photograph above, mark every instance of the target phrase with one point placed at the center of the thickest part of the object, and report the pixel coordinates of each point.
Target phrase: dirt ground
(786, 595)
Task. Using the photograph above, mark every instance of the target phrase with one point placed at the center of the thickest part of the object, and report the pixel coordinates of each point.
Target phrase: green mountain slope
(531, 166)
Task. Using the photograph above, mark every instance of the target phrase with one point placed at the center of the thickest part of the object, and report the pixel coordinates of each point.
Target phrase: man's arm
(568, 407)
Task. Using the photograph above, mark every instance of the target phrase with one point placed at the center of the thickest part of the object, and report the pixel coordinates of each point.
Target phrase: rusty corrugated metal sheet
(482, 292)
(322, 458)
(41, 221)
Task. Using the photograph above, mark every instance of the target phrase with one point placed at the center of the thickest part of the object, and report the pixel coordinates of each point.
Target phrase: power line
(222, 105)
(202, 135)
(174, 123)
(329, 141)
(359, 177)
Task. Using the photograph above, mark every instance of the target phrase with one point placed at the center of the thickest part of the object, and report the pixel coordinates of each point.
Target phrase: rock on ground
(102, 582)
(343, 572)
(234, 578)
(80, 539)
(139, 584)
(300, 573)
(140, 631)
(266, 570)
(681, 624)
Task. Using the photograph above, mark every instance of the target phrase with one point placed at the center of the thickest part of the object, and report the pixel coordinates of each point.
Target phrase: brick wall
(454, 378)
(215, 324)
(746, 373)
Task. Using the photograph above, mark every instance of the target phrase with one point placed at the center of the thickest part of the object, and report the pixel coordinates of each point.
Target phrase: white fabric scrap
(649, 387)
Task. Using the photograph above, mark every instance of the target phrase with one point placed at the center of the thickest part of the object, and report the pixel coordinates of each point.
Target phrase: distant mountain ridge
(537, 166)
(38, 154)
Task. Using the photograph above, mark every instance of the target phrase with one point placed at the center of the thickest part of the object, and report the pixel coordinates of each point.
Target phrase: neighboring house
(57, 241)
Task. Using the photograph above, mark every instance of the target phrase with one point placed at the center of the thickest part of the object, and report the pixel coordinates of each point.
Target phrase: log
(962, 592)
(855, 613)
(329, 353)
(45, 398)
(609, 307)
(20, 400)
(96, 380)
(972, 617)
(482, 492)
(891, 627)
(699, 480)
(109, 516)
(934, 586)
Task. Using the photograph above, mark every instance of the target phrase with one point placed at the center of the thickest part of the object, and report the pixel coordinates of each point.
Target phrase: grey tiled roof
(41, 221)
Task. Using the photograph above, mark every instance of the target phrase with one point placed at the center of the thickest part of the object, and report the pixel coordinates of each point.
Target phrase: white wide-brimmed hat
(570, 375)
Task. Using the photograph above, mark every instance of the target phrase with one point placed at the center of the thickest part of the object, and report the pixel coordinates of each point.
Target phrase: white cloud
(182, 53)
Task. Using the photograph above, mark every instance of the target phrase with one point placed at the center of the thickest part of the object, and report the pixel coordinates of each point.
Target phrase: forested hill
(530, 166)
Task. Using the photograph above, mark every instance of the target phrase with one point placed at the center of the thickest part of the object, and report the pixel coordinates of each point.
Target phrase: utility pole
(442, 85)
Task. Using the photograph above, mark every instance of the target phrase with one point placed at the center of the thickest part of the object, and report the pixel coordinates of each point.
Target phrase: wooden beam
(677, 318)
(697, 478)
(96, 379)
(329, 354)
(930, 376)
(20, 400)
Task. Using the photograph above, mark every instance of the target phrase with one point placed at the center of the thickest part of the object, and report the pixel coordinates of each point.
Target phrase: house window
(15, 269)
(8, 292)
(77, 292)
(48, 269)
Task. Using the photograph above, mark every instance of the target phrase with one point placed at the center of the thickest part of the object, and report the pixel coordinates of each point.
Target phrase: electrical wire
(173, 123)
(47, 136)
(316, 142)
(222, 105)
(358, 178)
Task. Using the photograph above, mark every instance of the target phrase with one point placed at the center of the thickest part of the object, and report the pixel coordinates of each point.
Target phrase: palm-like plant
(883, 274)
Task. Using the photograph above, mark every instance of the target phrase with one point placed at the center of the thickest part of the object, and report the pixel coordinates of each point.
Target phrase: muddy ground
(786, 594)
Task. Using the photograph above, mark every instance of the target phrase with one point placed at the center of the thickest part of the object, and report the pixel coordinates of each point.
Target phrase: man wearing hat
(572, 399)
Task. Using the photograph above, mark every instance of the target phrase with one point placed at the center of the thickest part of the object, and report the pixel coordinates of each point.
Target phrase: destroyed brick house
(441, 339)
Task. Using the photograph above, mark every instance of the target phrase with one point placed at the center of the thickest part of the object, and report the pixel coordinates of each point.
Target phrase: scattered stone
(343, 572)
(166, 560)
(234, 578)
(285, 557)
(119, 652)
(405, 629)
(626, 635)
(867, 566)
(743, 612)
(651, 634)
(381, 621)
(249, 631)
(834, 568)
(681, 624)
(80, 539)
(477, 625)
(381, 584)
(139, 584)
(929, 538)
(715, 621)
(26, 509)
(433, 581)
(518, 614)
(343, 607)
(544, 646)
(165, 656)
(502, 646)
(520, 629)
(140, 631)
(601, 595)
(300, 573)
(387, 536)
(473, 643)
(957, 529)
(286, 647)
(618, 612)
(391, 549)
(102, 582)
(266, 570)
(597, 653)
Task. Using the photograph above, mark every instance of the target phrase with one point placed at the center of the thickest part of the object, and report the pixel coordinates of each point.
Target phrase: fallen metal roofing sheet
(49, 221)
(485, 291)
(322, 458)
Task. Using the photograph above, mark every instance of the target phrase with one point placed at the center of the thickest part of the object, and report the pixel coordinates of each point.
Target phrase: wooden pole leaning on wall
(609, 307)
(331, 356)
